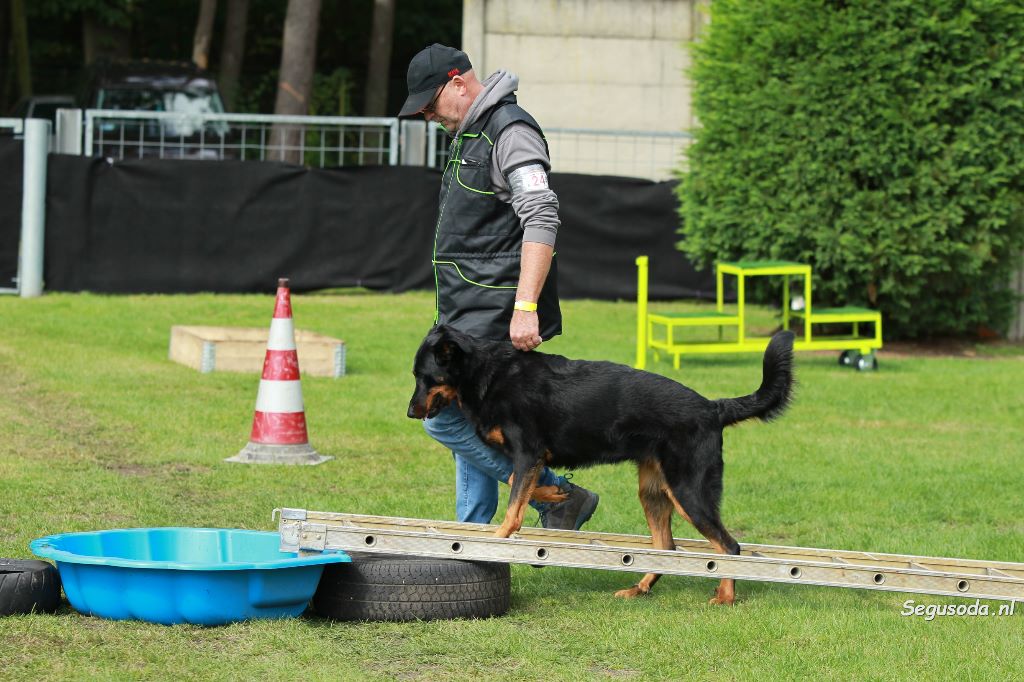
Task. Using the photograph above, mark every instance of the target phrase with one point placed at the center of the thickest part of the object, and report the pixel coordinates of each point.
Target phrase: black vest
(478, 242)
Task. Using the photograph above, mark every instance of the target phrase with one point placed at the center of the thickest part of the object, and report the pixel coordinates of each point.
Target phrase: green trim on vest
(458, 174)
(467, 279)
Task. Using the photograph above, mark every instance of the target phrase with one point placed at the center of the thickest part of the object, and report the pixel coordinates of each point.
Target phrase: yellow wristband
(528, 306)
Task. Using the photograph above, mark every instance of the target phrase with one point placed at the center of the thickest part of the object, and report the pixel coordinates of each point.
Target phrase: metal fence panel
(317, 141)
(627, 153)
(320, 141)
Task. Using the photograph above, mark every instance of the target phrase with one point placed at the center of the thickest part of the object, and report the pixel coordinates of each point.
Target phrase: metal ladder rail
(972, 566)
(303, 530)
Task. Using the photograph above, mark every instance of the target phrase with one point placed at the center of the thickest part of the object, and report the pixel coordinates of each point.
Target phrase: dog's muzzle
(432, 403)
(417, 411)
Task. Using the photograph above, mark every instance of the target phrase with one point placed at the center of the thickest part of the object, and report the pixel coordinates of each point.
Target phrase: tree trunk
(295, 83)
(19, 37)
(103, 40)
(377, 75)
(233, 51)
(204, 33)
(5, 51)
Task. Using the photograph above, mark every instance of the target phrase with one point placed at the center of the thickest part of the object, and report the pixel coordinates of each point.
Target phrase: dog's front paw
(632, 592)
(721, 601)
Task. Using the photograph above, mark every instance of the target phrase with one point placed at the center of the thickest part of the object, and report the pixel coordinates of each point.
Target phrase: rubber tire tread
(28, 585)
(399, 588)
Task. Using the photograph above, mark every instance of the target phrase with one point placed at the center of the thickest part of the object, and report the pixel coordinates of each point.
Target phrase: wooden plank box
(242, 349)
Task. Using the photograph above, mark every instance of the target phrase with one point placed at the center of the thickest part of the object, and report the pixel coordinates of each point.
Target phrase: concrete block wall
(598, 64)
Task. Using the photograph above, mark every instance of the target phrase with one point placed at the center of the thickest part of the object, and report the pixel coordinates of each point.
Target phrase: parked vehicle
(159, 87)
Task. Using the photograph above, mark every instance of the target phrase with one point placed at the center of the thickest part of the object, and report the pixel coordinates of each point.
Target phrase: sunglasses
(430, 108)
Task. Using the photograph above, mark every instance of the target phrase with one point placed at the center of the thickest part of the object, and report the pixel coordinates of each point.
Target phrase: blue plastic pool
(208, 576)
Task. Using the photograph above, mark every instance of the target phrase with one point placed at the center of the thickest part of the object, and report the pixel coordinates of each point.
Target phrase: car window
(192, 101)
(130, 100)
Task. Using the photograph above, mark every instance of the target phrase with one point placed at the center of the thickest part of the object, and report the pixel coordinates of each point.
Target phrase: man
(493, 255)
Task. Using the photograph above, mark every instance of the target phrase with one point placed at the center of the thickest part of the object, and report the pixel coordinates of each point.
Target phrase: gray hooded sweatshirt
(518, 144)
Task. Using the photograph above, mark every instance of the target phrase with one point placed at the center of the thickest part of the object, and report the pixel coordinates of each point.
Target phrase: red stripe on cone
(279, 428)
(281, 365)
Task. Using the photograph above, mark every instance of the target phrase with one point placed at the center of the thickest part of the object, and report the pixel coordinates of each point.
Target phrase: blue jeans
(478, 467)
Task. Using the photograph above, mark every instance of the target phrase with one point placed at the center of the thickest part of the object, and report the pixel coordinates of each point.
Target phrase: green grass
(99, 430)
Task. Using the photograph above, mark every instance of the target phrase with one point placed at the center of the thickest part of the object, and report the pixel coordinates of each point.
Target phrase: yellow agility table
(658, 331)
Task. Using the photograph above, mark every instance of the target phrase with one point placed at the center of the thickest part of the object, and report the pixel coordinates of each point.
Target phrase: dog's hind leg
(523, 481)
(723, 543)
(658, 510)
(697, 498)
(704, 516)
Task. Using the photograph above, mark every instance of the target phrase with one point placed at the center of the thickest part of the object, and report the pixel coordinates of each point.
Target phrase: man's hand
(525, 330)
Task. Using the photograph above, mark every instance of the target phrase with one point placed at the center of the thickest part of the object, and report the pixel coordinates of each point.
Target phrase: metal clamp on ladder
(309, 531)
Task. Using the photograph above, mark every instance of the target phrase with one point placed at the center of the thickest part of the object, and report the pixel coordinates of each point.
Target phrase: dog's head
(438, 369)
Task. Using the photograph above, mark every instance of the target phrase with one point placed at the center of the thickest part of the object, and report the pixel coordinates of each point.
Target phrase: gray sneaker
(572, 512)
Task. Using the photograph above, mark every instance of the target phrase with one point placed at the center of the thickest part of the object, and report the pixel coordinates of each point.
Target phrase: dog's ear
(449, 347)
(444, 352)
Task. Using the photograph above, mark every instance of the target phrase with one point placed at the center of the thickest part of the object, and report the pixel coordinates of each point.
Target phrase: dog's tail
(771, 399)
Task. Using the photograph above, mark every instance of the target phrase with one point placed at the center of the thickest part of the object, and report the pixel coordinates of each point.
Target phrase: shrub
(882, 141)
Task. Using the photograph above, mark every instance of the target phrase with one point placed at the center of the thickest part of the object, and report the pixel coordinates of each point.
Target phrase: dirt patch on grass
(952, 348)
(183, 468)
(138, 469)
(126, 469)
(37, 423)
(614, 673)
(946, 348)
(426, 671)
(41, 425)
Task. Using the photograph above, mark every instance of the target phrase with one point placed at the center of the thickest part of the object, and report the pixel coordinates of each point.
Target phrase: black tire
(28, 585)
(398, 588)
(848, 358)
(867, 363)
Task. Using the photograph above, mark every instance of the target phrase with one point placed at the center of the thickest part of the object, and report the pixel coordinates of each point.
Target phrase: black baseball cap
(431, 67)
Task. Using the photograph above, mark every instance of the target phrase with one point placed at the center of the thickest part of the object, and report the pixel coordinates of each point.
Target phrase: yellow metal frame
(649, 323)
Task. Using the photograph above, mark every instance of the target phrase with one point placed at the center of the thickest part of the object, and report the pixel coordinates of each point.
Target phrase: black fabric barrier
(606, 223)
(185, 226)
(10, 209)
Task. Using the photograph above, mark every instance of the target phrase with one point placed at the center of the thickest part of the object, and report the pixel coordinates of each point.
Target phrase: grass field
(99, 430)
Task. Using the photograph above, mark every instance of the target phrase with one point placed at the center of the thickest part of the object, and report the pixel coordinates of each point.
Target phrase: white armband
(531, 178)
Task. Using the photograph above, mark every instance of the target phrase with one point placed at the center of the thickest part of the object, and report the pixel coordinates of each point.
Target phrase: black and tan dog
(546, 409)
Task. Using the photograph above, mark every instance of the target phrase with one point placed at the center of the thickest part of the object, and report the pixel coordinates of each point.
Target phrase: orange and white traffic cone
(279, 433)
